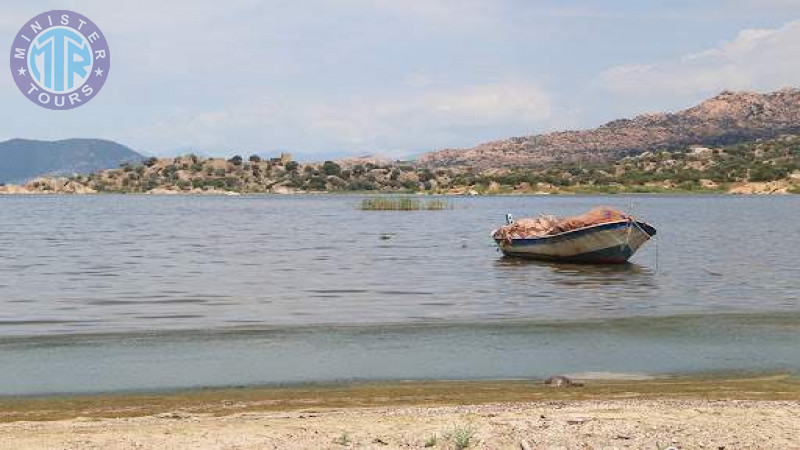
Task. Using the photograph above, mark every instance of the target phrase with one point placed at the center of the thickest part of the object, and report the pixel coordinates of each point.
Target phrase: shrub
(343, 439)
(431, 441)
(232, 182)
(317, 183)
(361, 185)
(331, 168)
(462, 437)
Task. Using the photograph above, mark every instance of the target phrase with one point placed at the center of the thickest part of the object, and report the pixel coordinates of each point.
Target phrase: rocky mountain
(728, 118)
(23, 159)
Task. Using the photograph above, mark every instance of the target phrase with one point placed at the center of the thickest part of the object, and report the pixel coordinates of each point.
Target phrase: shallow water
(201, 291)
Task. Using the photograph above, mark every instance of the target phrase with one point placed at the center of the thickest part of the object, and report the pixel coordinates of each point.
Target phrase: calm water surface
(138, 292)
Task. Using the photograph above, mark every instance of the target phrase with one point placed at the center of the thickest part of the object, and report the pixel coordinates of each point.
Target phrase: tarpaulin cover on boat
(546, 225)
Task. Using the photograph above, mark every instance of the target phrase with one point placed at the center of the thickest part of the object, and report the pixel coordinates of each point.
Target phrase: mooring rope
(654, 237)
(656, 242)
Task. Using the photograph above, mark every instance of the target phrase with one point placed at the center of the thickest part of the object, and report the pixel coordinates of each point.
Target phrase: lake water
(107, 293)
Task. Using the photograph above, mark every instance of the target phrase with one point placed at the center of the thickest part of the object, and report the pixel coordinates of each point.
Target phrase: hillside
(728, 118)
(22, 159)
(762, 166)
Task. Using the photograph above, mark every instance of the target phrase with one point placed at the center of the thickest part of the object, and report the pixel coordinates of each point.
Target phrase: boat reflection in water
(609, 290)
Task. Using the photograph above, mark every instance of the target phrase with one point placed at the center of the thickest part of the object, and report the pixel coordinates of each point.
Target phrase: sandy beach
(582, 424)
(650, 414)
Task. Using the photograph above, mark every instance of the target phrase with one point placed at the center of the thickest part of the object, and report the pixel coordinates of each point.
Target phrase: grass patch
(462, 437)
(344, 440)
(403, 204)
(431, 441)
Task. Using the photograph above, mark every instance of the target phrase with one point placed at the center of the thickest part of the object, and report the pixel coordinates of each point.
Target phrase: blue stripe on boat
(616, 254)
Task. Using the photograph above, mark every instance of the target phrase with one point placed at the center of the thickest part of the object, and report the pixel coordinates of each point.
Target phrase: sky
(334, 78)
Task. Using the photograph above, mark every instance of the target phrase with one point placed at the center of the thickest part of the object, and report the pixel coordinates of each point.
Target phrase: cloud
(438, 117)
(419, 119)
(760, 59)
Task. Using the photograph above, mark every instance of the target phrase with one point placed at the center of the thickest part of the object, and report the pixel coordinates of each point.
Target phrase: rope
(656, 264)
(655, 239)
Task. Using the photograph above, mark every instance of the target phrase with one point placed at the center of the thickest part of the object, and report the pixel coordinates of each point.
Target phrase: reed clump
(403, 204)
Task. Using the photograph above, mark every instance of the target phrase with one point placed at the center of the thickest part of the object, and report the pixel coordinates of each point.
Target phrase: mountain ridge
(24, 159)
(727, 118)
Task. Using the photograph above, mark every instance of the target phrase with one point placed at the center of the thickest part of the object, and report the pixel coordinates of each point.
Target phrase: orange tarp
(548, 225)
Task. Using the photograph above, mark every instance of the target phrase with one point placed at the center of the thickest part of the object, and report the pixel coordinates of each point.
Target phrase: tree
(255, 158)
(151, 161)
(236, 160)
(232, 182)
(331, 168)
(317, 183)
(292, 166)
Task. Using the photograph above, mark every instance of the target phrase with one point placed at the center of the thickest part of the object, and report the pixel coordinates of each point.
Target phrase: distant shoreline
(759, 167)
(377, 193)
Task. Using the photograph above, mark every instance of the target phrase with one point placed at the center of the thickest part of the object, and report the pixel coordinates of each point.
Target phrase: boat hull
(608, 243)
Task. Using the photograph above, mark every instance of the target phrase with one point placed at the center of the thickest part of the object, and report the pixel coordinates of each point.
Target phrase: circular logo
(60, 59)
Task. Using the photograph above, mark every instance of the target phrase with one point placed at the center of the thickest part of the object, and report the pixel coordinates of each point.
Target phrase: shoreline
(587, 193)
(230, 400)
(303, 356)
(679, 412)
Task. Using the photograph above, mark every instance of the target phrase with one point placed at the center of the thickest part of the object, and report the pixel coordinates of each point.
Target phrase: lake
(115, 292)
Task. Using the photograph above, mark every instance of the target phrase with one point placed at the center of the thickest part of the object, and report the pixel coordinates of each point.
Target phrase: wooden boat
(605, 243)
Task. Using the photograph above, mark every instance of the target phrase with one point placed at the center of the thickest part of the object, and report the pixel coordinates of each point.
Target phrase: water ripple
(133, 263)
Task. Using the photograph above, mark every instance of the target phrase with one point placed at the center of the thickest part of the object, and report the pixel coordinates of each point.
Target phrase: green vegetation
(403, 204)
(688, 170)
(462, 437)
(343, 439)
(703, 170)
(431, 441)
